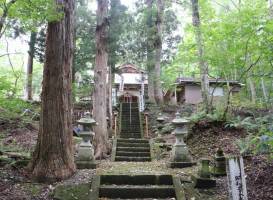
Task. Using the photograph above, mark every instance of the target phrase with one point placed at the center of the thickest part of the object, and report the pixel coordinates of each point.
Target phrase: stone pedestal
(203, 179)
(180, 156)
(85, 157)
(160, 119)
(220, 164)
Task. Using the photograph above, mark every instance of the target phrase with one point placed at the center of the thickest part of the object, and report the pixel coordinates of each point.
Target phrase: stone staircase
(130, 122)
(130, 146)
(137, 187)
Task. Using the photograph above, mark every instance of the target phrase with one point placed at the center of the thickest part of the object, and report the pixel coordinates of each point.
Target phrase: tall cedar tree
(31, 53)
(150, 50)
(200, 46)
(53, 157)
(100, 76)
(158, 52)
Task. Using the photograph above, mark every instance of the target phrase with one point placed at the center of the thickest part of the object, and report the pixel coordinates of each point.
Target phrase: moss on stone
(72, 192)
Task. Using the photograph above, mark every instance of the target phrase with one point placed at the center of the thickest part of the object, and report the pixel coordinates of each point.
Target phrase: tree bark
(53, 158)
(252, 89)
(200, 46)
(150, 51)
(264, 89)
(158, 50)
(110, 107)
(31, 52)
(100, 91)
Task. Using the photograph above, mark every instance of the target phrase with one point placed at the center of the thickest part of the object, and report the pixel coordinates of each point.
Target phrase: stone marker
(220, 163)
(204, 180)
(180, 157)
(236, 179)
(160, 119)
(85, 158)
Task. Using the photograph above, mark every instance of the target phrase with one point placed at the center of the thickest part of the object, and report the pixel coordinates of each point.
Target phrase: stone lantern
(180, 157)
(160, 119)
(85, 158)
(203, 180)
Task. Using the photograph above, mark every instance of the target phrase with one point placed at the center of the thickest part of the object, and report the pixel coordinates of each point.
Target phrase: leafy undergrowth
(207, 137)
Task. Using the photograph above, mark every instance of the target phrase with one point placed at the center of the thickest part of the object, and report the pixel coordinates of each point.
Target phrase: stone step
(128, 131)
(133, 140)
(134, 149)
(125, 144)
(133, 159)
(130, 127)
(136, 191)
(127, 120)
(147, 179)
(133, 154)
(130, 136)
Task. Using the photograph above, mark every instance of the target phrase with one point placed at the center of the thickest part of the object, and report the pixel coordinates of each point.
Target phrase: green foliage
(31, 13)
(5, 86)
(239, 123)
(85, 37)
(198, 116)
(245, 145)
(13, 105)
(237, 46)
(260, 139)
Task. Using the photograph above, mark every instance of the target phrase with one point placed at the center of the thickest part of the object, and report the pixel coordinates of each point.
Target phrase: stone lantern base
(180, 164)
(203, 182)
(86, 164)
(85, 158)
(180, 157)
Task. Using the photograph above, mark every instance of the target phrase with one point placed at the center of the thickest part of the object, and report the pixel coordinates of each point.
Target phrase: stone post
(220, 164)
(160, 119)
(203, 180)
(115, 119)
(146, 114)
(85, 158)
(180, 156)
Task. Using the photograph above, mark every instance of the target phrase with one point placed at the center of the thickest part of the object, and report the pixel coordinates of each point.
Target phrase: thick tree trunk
(53, 158)
(150, 51)
(100, 91)
(158, 46)
(30, 64)
(202, 64)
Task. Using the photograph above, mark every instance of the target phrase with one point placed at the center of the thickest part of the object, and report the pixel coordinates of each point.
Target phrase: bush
(14, 105)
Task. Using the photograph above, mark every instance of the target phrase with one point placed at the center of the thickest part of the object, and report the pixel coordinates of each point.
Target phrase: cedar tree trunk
(31, 51)
(158, 49)
(53, 158)
(150, 51)
(202, 64)
(100, 88)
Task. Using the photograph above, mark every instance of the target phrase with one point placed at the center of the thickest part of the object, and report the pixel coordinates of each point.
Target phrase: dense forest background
(237, 42)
